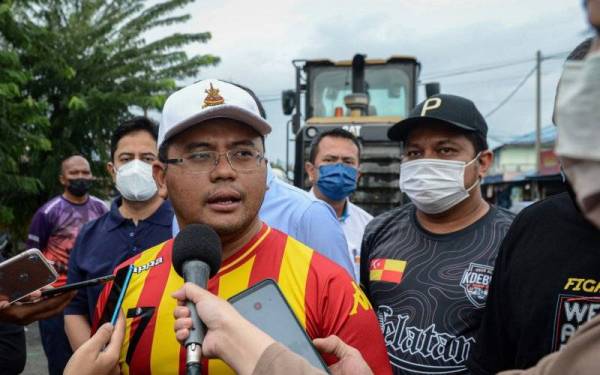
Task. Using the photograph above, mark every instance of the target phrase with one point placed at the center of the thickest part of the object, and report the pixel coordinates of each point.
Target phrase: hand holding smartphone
(265, 306)
(23, 274)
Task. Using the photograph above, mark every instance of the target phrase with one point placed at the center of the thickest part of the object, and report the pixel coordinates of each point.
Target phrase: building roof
(548, 137)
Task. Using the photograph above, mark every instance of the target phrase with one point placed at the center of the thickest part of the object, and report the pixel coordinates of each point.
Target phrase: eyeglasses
(205, 161)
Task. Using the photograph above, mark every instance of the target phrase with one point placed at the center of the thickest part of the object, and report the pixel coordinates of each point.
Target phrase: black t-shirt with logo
(428, 289)
(546, 284)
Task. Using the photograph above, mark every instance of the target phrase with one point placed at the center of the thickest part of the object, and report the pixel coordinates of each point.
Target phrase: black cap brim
(400, 130)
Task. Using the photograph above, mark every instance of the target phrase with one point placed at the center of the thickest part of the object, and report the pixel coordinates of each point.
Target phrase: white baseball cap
(205, 100)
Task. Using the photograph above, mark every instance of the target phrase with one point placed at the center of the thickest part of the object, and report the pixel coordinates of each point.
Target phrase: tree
(23, 125)
(91, 64)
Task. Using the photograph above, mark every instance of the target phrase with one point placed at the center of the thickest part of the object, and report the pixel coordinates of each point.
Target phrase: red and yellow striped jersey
(323, 296)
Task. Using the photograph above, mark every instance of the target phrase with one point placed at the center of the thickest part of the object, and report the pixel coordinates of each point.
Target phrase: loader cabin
(365, 97)
(389, 87)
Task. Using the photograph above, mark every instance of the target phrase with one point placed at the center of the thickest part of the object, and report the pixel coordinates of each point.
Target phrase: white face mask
(135, 182)
(578, 122)
(435, 185)
(577, 112)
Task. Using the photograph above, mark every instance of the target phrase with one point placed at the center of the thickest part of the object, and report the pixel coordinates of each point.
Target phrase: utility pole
(538, 112)
(287, 149)
(538, 121)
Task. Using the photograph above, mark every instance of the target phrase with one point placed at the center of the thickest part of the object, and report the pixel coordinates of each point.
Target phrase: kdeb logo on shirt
(476, 283)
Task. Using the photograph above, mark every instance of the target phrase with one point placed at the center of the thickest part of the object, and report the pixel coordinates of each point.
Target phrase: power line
(476, 69)
(488, 67)
(269, 100)
(512, 93)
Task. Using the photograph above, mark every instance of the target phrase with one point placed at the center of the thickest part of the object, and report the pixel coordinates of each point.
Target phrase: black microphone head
(197, 242)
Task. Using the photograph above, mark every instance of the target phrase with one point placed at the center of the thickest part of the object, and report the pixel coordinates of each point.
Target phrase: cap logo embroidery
(431, 104)
(212, 97)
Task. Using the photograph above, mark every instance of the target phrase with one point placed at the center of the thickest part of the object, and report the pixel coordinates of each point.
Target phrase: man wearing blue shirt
(333, 170)
(306, 218)
(137, 220)
(300, 215)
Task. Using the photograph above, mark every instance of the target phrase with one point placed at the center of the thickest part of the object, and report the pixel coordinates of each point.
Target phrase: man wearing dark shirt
(139, 219)
(426, 266)
(53, 230)
(546, 281)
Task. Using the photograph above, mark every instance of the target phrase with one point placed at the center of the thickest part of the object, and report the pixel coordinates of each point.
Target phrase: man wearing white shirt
(333, 170)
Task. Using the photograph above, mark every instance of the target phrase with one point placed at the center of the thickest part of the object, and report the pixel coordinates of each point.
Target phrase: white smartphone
(25, 273)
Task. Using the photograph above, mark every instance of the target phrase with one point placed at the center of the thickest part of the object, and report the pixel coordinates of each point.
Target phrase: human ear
(310, 171)
(486, 158)
(159, 171)
(110, 168)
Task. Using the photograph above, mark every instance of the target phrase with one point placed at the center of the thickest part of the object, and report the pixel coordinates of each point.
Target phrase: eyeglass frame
(180, 161)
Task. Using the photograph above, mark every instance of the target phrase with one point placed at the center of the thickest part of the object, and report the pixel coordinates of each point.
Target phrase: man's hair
(164, 147)
(334, 133)
(135, 124)
(479, 143)
(67, 159)
(581, 50)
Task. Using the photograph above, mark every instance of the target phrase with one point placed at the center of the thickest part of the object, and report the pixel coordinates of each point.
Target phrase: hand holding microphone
(196, 258)
(242, 345)
(229, 336)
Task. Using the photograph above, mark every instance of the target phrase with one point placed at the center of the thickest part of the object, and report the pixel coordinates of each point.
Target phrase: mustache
(225, 191)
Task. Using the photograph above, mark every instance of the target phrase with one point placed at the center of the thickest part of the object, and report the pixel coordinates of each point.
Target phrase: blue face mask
(337, 181)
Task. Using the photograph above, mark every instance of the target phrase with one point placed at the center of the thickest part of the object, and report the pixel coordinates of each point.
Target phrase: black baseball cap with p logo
(451, 110)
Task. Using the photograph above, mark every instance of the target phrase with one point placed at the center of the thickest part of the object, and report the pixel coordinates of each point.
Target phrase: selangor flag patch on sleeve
(389, 270)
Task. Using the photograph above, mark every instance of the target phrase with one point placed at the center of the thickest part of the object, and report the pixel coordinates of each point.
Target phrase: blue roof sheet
(548, 136)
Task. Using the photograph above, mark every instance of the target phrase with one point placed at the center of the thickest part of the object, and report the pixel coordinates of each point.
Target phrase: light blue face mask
(337, 181)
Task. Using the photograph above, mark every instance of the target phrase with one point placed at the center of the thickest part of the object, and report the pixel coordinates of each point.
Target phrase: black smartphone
(79, 285)
(116, 296)
(25, 273)
(265, 306)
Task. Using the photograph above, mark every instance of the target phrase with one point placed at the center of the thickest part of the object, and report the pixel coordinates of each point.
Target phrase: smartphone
(117, 308)
(73, 286)
(265, 306)
(25, 273)
(116, 296)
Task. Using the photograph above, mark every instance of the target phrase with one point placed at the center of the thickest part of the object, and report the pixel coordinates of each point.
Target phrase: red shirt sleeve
(342, 309)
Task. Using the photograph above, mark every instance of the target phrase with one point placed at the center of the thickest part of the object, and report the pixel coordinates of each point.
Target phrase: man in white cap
(213, 170)
(301, 215)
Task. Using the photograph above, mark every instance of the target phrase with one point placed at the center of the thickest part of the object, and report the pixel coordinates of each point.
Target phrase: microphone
(196, 258)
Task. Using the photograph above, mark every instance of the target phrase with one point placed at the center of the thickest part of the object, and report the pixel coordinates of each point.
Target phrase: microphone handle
(193, 369)
(198, 273)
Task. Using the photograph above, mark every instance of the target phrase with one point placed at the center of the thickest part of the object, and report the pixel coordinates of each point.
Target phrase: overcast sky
(256, 41)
